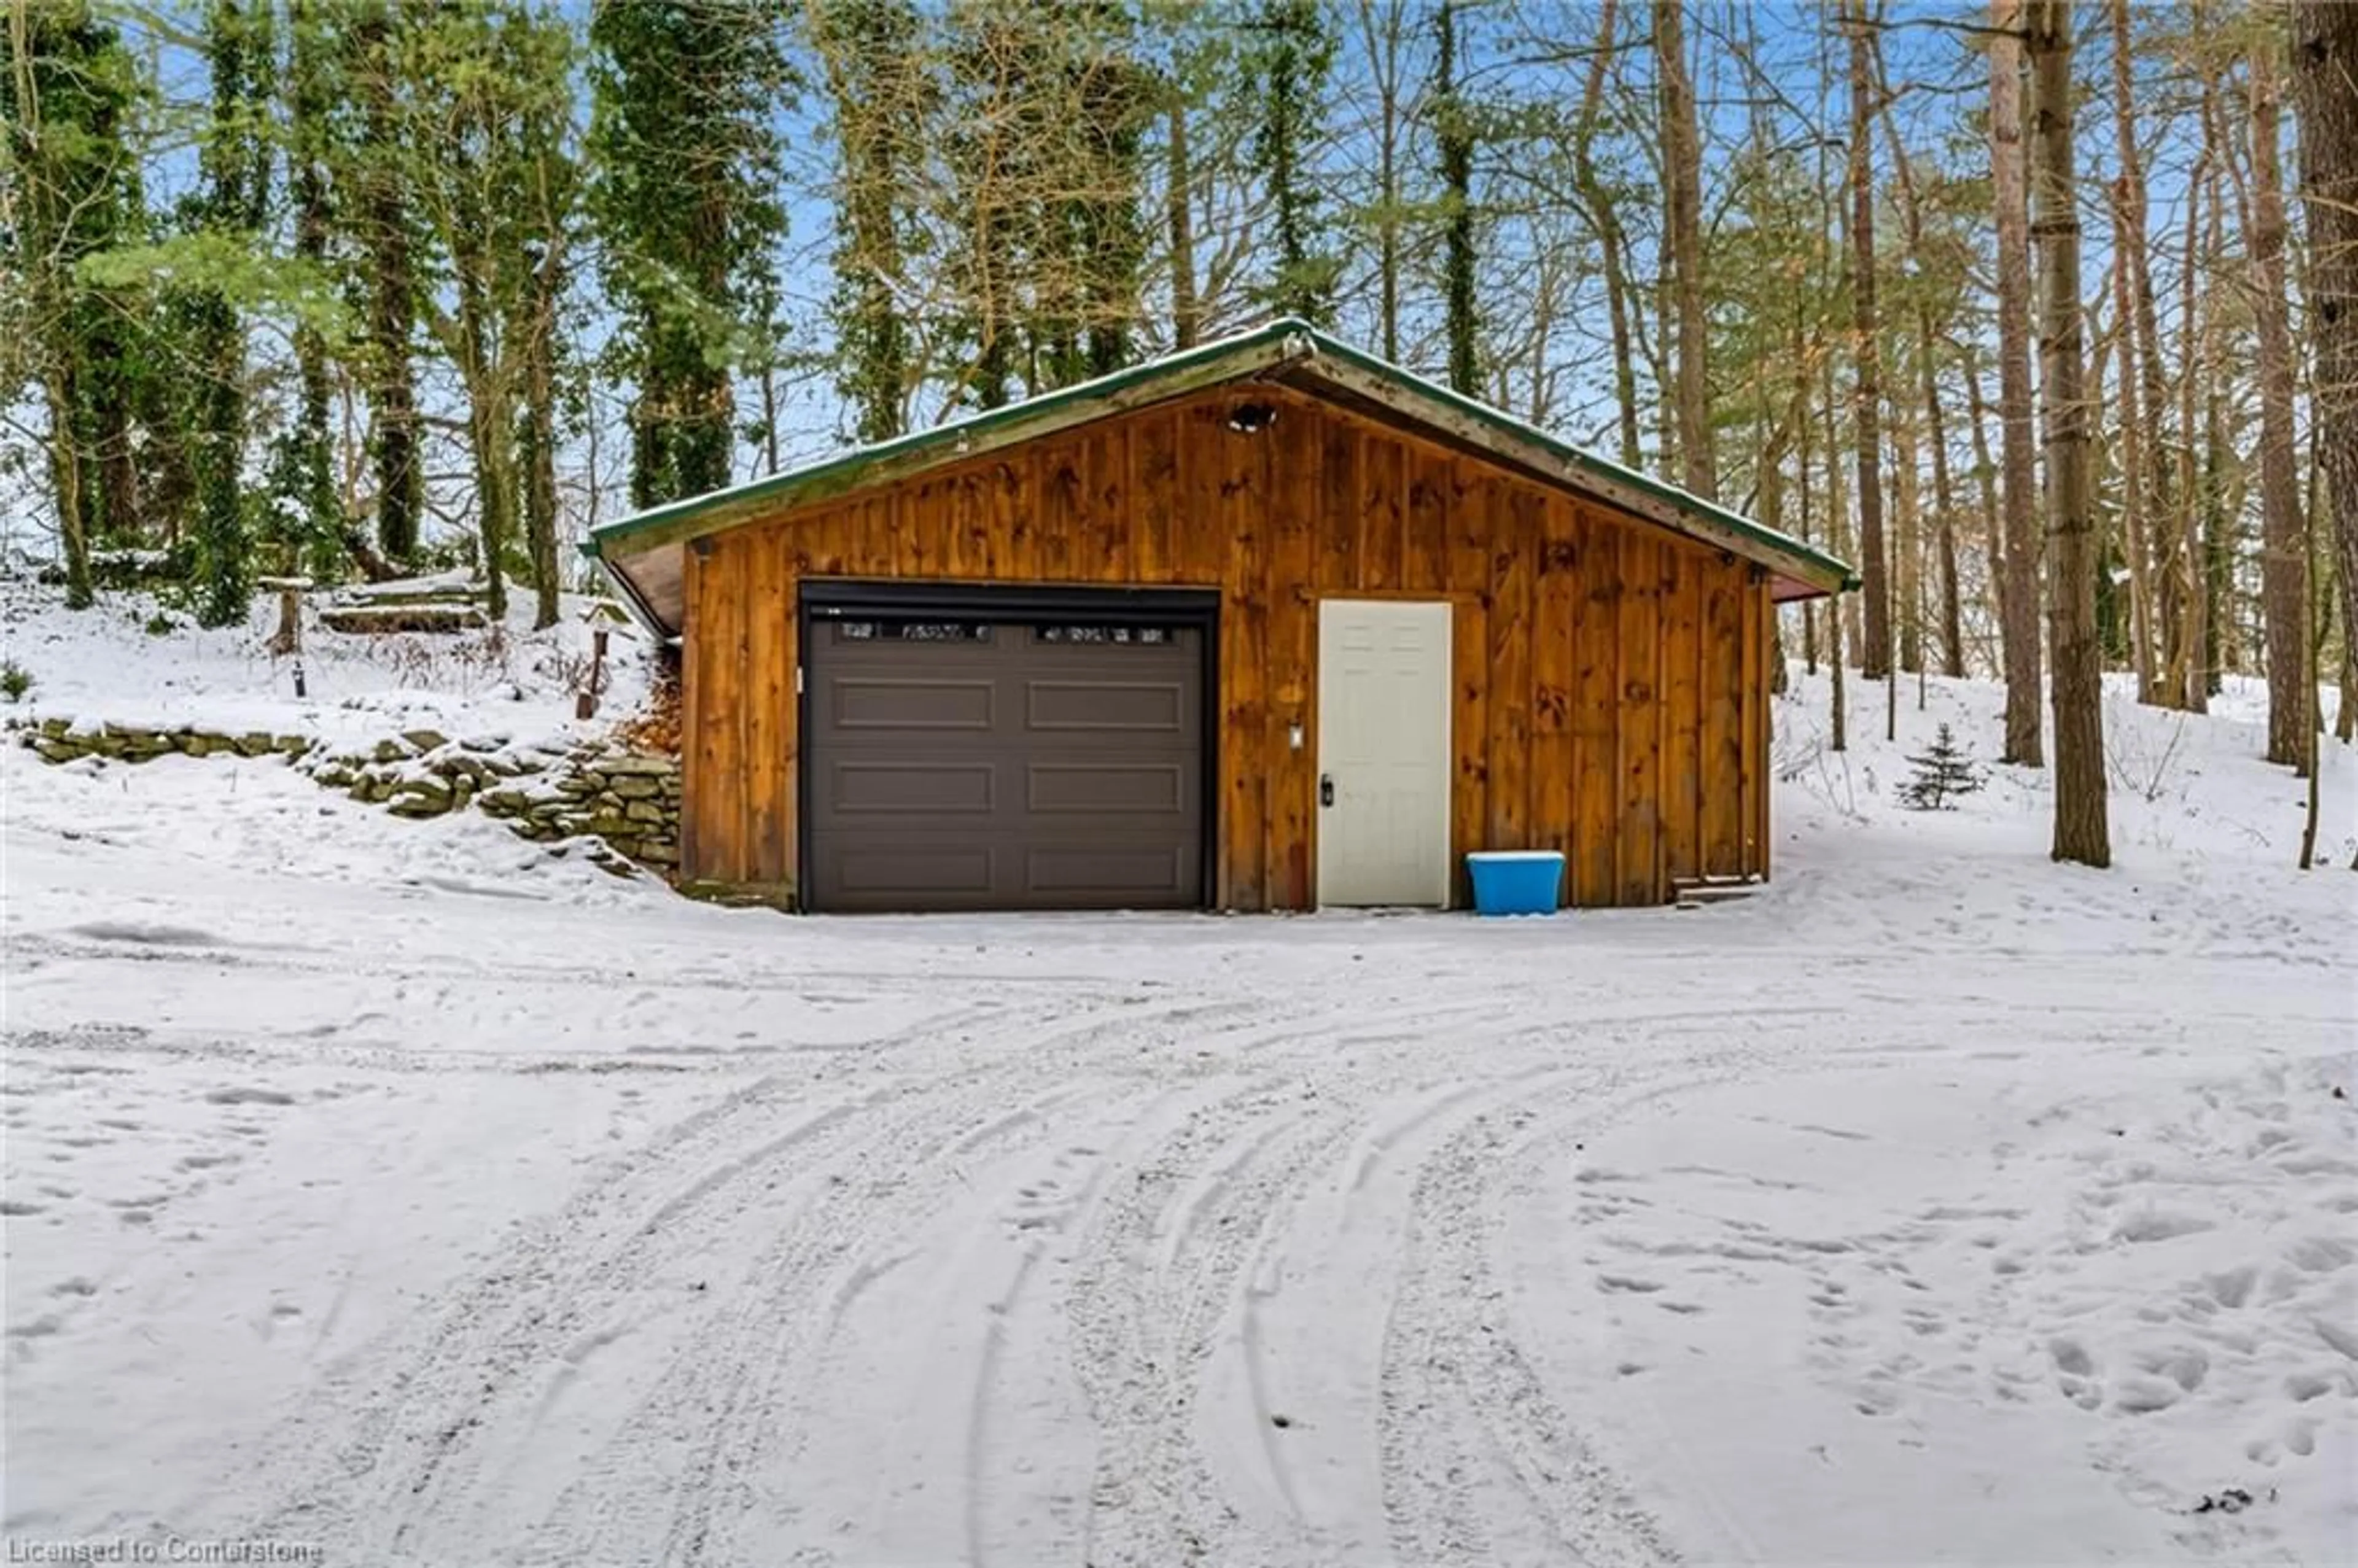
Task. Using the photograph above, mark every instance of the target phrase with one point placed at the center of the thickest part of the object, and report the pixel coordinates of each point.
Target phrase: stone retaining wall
(625, 799)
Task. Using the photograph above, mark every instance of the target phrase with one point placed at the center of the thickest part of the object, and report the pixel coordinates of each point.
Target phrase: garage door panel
(1008, 767)
(1055, 873)
(889, 875)
(898, 788)
(874, 702)
(1124, 707)
(1100, 788)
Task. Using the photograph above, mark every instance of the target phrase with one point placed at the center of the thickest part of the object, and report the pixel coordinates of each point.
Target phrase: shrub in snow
(16, 680)
(1941, 774)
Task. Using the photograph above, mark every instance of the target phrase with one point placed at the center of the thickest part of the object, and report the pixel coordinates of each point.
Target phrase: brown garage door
(978, 764)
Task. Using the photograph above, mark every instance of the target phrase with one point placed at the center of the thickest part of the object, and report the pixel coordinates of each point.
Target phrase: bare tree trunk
(1839, 708)
(1773, 443)
(1611, 244)
(2223, 480)
(2133, 520)
(770, 463)
(2312, 720)
(1875, 658)
(1929, 338)
(2081, 833)
(1381, 34)
(2284, 582)
(1180, 212)
(2160, 544)
(1803, 425)
(2018, 598)
(1945, 531)
(1993, 513)
(1908, 511)
(1683, 159)
(2345, 710)
(2190, 658)
(1839, 537)
(2325, 95)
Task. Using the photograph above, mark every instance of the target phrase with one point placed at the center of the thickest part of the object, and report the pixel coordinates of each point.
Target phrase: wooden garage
(1269, 625)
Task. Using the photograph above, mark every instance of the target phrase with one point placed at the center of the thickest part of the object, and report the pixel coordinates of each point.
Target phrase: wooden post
(585, 706)
(288, 640)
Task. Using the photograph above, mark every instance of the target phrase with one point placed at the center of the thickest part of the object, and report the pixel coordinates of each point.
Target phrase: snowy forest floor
(398, 1188)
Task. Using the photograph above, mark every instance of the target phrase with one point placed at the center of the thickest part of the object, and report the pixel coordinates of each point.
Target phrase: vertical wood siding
(1610, 682)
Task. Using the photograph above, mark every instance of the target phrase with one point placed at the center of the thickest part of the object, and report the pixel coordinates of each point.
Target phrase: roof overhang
(644, 555)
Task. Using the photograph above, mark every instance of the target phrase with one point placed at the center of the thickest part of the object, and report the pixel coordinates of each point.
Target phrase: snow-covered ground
(390, 1186)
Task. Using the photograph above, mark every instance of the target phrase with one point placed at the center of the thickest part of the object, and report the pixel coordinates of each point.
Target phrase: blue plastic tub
(1516, 882)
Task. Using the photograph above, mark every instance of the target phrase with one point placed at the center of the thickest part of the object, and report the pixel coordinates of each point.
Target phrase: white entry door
(1383, 752)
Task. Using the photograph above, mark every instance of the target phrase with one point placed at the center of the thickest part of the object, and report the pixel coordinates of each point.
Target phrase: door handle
(1325, 789)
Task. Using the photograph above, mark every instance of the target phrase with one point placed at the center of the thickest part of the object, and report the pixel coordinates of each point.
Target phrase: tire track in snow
(1473, 1445)
(1183, 1247)
(1177, 1234)
(433, 1457)
(1457, 1388)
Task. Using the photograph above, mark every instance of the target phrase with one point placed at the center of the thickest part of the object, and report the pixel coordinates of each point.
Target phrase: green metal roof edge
(1684, 500)
(1173, 365)
(946, 435)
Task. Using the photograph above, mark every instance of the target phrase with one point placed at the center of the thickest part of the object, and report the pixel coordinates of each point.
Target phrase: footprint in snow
(247, 1094)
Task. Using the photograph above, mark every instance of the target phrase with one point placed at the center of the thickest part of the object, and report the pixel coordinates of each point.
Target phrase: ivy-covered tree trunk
(63, 105)
(1179, 180)
(112, 356)
(1454, 133)
(537, 445)
(1295, 52)
(382, 229)
(1114, 105)
(686, 153)
(235, 162)
(876, 78)
(490, 424)
(308, 515)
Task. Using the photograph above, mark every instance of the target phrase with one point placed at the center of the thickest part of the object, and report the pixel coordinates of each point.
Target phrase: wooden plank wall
(1609, 684)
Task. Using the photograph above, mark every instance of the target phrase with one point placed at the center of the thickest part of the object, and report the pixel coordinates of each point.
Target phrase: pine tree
(2284, 568)
(2018, 595)
(2082, 829)
(1874, 651)
(685, 193)
(1943, 772)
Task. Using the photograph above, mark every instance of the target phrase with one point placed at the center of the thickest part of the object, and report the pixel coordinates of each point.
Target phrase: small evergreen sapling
(1943, 774)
